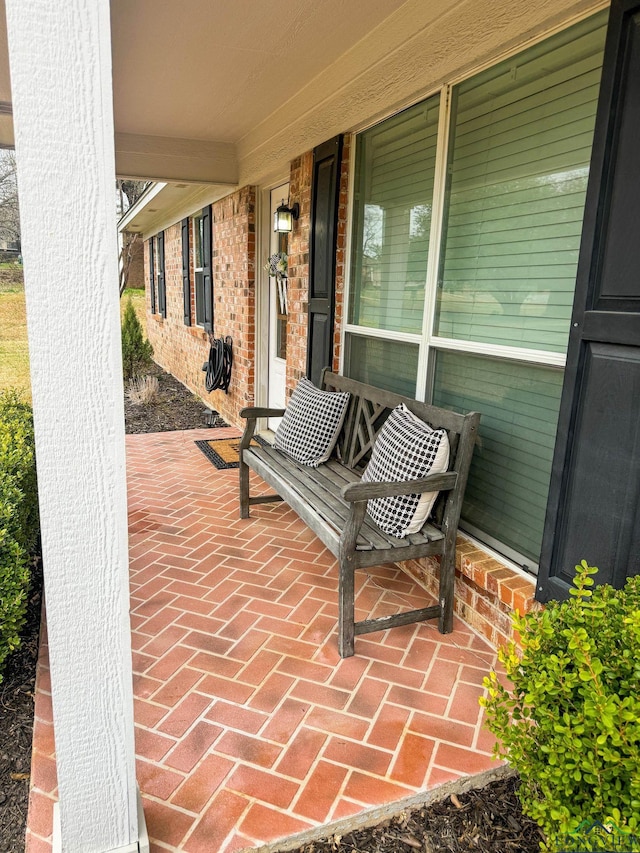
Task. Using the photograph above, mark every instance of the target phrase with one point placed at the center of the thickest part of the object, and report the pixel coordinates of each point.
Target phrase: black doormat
(224, 452)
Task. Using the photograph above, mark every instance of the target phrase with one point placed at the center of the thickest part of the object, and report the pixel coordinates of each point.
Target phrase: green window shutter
(392, 219)
(186, 278)
(152, 275)
(207, 270)
(162, 286)
(521, 139)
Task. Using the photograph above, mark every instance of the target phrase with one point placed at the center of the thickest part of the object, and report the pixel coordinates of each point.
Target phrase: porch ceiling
(229, 93)
(192, 79)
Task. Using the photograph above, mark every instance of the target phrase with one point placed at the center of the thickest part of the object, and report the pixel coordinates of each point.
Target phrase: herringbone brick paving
(249, 726)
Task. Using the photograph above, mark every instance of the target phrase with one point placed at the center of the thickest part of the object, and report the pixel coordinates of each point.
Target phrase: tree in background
(131, 247)
(128, 193)
(9, 211)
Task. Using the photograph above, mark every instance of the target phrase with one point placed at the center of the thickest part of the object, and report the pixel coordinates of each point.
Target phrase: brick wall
(487, 591)
(234, 272)
(181, 349)
(298, 284)
(341, 251)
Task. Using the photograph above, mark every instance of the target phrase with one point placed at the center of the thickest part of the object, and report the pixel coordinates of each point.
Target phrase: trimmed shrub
(136, 349)
(570, 724)
(18, 515)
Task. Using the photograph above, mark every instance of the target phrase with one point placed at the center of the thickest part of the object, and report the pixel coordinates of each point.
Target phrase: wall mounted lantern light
(284, 216)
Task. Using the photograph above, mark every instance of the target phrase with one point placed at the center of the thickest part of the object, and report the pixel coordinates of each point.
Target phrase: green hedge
(18, 515)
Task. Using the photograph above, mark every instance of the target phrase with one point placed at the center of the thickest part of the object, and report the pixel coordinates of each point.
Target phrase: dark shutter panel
(325, 194)
(152, 276)
(594, 502)
(186, 281)
(207, 270)
(162, 289)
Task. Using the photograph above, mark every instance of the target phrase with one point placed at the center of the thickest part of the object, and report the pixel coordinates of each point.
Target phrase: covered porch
(234, 705)
(249, 728)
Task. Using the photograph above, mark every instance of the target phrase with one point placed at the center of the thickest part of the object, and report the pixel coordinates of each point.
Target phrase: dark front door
(325, 192)
(593, 510)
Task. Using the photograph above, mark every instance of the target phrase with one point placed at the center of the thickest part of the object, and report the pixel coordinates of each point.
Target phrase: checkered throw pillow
(311, 423)
(406, 448)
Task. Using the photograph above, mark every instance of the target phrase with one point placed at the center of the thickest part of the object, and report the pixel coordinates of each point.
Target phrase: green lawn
(14, 352)
(137, 297)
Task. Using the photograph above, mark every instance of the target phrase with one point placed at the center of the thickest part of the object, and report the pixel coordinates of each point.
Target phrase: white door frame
(263, 239)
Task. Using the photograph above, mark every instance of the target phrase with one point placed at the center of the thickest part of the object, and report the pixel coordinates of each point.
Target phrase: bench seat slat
(310, 485)
(334, 472)
(333, 476)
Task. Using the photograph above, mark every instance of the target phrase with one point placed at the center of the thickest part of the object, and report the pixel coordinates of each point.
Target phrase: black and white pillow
(406, 448)
(311, 423)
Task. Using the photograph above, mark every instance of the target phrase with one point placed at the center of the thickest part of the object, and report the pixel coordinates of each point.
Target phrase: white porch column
(60, 59)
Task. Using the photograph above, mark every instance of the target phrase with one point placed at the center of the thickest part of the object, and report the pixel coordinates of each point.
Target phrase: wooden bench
(333, 502)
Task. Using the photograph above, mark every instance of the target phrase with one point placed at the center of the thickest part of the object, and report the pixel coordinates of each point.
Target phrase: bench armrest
(431, 483)
(261, 412)
(251, 415)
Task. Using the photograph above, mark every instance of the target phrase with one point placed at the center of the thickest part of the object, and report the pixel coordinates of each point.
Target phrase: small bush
(143, 390)
(570, 725)
(18, 515)
(136, 349)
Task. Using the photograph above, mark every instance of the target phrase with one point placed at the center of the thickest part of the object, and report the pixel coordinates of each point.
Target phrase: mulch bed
(175, 408)
(488, 819)
(485, 819)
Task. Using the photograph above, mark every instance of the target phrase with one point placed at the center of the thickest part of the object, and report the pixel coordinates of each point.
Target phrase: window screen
(521, 137)
(394, 193)
(391, 365)
(506, 494)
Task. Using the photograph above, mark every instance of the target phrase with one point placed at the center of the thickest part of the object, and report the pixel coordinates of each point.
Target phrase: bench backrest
(369, 408)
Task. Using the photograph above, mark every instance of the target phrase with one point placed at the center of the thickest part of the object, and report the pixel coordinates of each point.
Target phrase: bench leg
(346, 618)
(447, 583)
(243, 473)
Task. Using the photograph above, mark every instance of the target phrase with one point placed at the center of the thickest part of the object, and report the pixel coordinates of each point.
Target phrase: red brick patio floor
(249, 726)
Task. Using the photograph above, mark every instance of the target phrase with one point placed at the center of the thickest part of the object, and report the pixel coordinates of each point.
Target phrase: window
(464, 264)
(152, 275)
(157, 275)
(392, 222)
(202, 268)
(186, 272)
(161, 290)
(198, 266)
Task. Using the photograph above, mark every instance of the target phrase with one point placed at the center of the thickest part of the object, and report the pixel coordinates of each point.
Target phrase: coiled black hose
(218, 367)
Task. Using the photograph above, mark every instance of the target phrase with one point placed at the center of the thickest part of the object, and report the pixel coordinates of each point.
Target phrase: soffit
(164, 204)
(212, 70)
